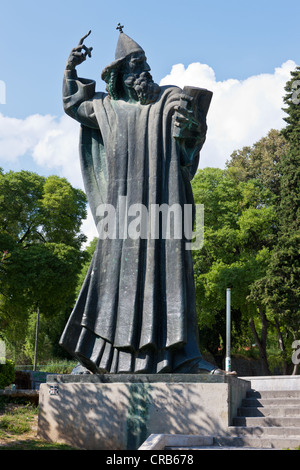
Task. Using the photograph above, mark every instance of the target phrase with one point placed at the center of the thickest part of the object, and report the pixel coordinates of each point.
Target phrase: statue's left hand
(76, 56)
(185, 119)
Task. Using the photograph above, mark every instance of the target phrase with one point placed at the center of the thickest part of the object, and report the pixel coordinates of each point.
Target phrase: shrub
(7, 373)
(58, 366)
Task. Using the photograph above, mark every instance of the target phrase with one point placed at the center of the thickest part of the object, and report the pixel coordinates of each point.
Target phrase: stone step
(262, 402)
(268, 421)
(244, 443)
(270, 411)
(273, 394)
(217, 447)
(257, 431)
(258, 442)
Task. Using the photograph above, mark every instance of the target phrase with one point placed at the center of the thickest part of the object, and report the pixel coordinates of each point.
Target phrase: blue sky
(237, 38)
(242, 50)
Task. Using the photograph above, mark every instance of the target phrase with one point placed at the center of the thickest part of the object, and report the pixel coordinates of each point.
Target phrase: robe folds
(136, 310)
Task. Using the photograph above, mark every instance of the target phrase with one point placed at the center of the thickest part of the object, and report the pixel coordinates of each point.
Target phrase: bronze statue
(139, 144)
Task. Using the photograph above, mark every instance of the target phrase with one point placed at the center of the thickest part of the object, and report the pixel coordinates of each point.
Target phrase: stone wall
(85, 413)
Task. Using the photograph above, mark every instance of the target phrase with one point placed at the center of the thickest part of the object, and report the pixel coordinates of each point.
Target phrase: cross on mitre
(120, 27)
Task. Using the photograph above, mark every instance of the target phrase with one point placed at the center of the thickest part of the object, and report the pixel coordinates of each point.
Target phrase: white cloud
(53, 145)
(88, 227)
(51, 142)
(241, 112)
(57, 148)
(18, 136)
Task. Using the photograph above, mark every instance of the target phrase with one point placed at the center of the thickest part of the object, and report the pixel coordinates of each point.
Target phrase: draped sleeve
(78, 94)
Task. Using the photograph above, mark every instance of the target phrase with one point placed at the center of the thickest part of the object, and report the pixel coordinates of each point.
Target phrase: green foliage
(17, 423)
(252, 215)
(280, 288)
(7, 373)
(40, 242)
(238, 229)
(292, 130)
(37, 444)
(58, 366)
(63, 209)
(38, 209)
(88, 253)
(289, 205)
(16, 419)
(240, 232)
(260, 162)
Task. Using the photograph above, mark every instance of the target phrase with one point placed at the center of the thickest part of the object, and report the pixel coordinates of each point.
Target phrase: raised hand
(77, 56)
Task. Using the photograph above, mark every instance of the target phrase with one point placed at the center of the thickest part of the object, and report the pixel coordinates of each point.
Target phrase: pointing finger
(83, 38)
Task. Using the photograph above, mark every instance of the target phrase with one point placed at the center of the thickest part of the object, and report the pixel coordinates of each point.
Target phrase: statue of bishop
(139, 144)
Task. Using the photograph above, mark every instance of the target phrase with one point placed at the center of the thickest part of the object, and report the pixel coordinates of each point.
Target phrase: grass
(36, 444)
(16, 420)
(18, 427)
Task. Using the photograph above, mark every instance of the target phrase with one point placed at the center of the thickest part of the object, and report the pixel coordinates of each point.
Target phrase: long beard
(142, 87)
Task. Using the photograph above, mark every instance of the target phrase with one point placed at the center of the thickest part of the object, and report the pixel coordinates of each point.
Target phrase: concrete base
(274, 382)
(119, 412)
(161, 441)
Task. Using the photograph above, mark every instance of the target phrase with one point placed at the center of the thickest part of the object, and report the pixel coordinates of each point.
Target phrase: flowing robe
(136, 310)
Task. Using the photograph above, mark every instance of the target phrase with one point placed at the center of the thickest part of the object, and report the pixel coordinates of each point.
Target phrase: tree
(40, 222)
(289, 207)
(260, 162)
(292, 130)
(280, 288)
(37, 209)
(88, 253)
(238, 233)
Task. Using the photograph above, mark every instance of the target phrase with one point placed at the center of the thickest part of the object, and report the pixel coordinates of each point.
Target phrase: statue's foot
(216, 371)
(202, 367)
(222, 372)
(79, 370)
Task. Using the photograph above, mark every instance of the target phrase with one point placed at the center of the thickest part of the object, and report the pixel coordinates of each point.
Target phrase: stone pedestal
(117, 412)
